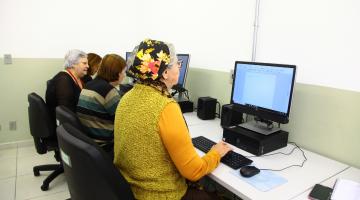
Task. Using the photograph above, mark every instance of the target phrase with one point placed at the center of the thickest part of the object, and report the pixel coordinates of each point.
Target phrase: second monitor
(184, 59)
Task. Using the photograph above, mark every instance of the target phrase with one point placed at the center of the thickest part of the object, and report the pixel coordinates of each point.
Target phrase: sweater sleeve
(177, 141)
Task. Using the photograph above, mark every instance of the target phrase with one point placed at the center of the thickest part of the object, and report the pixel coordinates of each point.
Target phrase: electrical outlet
(12, 125)
(231, 76)
(7, 59)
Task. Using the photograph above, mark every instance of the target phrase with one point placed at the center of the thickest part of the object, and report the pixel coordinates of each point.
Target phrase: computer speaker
(206, 108)
(229, 116)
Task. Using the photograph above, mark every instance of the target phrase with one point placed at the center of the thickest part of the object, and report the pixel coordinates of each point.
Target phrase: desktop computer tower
(186, 106)
(206, 108)
(255, 143)
(229, 116)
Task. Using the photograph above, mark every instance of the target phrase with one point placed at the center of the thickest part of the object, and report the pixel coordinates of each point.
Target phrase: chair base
(57, 170)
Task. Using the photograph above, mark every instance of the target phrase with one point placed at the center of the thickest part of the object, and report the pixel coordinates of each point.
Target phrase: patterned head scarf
(152, 57)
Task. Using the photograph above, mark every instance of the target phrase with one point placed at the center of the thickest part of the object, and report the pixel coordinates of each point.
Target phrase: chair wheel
(44, 187)
(36, 172)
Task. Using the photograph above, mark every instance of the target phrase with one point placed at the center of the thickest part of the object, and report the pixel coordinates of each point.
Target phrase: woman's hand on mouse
(222, 148)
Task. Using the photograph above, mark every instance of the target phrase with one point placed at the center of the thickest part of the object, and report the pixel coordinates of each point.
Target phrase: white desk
(317, 168)
(350, 173)
(192, 119)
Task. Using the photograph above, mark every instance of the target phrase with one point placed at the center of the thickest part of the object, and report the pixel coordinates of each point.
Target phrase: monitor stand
(259, 127)
(180, 97)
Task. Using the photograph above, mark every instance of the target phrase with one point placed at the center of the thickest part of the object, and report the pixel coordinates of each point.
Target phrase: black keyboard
(231, 159)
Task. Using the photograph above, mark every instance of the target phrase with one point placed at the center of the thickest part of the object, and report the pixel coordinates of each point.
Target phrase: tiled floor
(17, 181)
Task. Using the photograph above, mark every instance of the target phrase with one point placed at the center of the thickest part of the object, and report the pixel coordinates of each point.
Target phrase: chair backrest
(65, 115)
(89, 172)
(42, 125)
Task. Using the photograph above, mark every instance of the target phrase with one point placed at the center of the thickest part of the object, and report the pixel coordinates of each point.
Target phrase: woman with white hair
(65, 87)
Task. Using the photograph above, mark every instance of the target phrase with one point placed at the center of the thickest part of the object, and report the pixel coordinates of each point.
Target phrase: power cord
(181, 90)
(292, 150)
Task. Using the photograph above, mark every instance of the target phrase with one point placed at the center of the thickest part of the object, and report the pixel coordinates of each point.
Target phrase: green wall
(324, 120)
(17, 80)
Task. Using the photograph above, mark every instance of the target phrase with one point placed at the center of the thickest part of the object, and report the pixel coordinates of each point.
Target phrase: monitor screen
(127, 58)
(184, 67)
(184, 58)
(263, 90)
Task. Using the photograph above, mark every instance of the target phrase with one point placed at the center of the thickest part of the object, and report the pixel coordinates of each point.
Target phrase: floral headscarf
(151, 59)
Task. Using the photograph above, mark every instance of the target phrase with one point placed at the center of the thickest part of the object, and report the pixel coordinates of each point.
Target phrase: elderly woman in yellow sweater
(152, 145)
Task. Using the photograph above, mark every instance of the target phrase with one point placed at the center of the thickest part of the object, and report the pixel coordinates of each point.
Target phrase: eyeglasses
(179, 62)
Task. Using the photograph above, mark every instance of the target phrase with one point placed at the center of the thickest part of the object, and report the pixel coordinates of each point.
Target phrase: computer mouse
(249, 171)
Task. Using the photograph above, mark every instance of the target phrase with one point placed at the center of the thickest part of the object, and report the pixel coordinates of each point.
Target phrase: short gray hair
(173, 57)
(73, 57)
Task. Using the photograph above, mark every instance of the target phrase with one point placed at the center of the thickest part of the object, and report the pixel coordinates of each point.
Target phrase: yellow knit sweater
(140, 154)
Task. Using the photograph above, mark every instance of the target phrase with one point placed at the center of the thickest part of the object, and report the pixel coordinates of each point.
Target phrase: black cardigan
(62, 90)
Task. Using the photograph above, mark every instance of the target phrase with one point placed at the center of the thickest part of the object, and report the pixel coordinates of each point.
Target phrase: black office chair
(43, 130)
(65, 115)
(89, 172)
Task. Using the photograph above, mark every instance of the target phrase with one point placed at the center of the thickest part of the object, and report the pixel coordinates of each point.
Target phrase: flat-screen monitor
(263, 90)
(127, 56)
(184, 58)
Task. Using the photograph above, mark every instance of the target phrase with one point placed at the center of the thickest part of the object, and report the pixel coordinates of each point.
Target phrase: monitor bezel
(186, 70)
(264, 113)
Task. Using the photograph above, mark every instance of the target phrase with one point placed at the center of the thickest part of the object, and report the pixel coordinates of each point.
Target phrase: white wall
(321, 37)
(214, 32)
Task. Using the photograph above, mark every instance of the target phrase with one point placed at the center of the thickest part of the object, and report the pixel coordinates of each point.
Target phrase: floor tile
(56, 196)
(17, 181)
(25, 143)
(8, 153)
(28, 186)
(7, 168)
(25, 164)
(7, 189)
(27, 151)
(8, 145)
